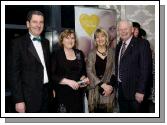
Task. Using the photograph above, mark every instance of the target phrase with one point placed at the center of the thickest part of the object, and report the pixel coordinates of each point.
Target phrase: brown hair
(33, 12)
(65, 34)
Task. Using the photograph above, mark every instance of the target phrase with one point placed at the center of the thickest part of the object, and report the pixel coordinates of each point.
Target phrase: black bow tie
(37, 39)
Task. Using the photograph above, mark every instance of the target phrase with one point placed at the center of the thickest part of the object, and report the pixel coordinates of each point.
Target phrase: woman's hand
(73, 84)
(85, 80)
(107, 89)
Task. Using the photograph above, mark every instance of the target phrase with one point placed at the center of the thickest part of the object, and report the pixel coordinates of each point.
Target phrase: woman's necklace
(102, 53)
(70, 55)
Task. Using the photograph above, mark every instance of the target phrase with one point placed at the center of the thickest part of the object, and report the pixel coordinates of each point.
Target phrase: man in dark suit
(133, 69)
(28, 67)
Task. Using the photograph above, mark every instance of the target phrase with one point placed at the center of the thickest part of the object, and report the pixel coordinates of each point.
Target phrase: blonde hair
(101, 30)
(65, 34)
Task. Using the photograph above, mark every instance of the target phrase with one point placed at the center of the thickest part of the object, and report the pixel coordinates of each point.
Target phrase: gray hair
(127, 21)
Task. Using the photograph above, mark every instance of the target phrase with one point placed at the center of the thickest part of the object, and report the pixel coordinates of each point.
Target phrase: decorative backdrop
(87, 19)
(143, 14)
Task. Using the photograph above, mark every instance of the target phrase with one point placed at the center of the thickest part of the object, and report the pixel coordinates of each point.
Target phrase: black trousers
(127, 106)
(45, 99)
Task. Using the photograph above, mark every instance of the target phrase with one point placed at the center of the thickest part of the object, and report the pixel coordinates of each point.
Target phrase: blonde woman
(100, 71)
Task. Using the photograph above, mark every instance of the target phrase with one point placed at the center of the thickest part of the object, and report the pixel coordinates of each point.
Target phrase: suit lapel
(32, 49)
(117, 50)
(129, 48)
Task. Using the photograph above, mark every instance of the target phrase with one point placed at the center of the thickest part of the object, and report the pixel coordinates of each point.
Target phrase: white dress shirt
(39, 50)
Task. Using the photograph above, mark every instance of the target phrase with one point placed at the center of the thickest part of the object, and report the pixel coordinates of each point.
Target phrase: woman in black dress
(68, 68)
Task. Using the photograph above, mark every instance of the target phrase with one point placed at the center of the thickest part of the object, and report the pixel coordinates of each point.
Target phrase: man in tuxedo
(28, 67)
(133, 69)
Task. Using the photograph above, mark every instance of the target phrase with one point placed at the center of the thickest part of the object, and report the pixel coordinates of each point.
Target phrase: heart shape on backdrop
(89, 23)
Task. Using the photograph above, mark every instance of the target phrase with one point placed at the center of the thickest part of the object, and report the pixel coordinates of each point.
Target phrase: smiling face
(69, 41)
(101, 39)
(35, 25)
(125, 30)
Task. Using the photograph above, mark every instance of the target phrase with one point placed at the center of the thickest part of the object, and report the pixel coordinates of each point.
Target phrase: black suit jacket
(135, 67)
(25, 72)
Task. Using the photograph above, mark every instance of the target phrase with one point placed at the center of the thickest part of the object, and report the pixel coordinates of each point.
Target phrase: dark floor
(9, 106)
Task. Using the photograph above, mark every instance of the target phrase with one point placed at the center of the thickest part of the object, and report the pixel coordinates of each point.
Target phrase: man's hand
(139, 97)
(20, 107)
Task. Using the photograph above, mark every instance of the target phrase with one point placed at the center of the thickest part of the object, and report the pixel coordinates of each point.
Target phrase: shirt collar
(32, 36)
(128, 41)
